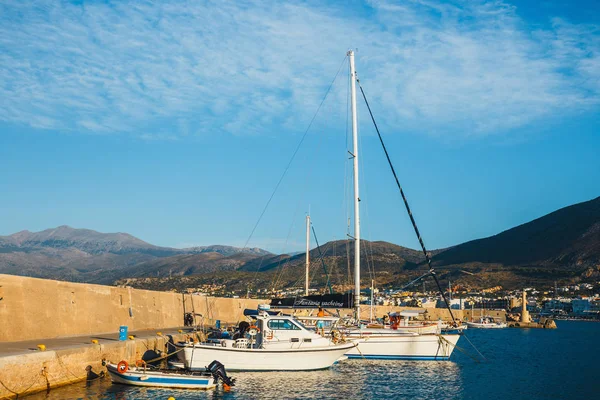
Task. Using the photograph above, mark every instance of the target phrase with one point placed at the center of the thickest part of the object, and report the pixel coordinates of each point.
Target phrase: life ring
(140, 363)
(122, 367)
(253, 327)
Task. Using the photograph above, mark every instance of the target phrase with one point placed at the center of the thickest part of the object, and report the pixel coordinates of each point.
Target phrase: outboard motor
(218, 372)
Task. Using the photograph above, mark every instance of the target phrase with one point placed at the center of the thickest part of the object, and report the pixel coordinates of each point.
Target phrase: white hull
(405, 329)
(477, 325)
(404, 347)
(197, 357)
(137, 377)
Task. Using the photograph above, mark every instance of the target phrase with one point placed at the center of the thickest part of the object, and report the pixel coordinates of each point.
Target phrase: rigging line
(336, 266)
(294, 155)
(334, 270)
(321, 255)
(413, 282)
(285, 244)
(280, 268)
(313, 272)
(370, 268)
(306, 184)
(412, 219)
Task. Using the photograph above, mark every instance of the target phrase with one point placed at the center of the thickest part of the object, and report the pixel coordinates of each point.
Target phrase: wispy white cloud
(249, 68)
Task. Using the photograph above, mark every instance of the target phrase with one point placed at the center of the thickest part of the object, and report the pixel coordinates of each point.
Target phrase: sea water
(519, 364)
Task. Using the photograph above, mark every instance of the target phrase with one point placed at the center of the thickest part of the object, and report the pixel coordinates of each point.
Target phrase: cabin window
(282, 324)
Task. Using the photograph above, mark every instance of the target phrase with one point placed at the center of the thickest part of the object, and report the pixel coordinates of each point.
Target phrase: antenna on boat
(354, 155)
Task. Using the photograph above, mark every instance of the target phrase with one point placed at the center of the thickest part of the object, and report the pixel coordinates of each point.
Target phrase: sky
(175, 120)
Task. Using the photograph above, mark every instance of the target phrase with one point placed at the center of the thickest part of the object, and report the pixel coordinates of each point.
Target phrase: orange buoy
(122, 367)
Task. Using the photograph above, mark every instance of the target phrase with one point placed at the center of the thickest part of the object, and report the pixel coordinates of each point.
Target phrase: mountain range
(563, 245)
(84, 255)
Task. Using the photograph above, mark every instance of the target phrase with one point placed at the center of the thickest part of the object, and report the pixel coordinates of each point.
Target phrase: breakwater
(66, 317)
(34, 308)
(24, 369)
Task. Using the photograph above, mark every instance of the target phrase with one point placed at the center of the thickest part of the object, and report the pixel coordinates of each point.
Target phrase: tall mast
(307, 252)
(356, 197)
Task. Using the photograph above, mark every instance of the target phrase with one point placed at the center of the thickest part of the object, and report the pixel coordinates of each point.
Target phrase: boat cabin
(268, 329)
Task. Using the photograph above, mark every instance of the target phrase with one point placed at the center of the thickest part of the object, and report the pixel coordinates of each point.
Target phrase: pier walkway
(29, 346)
(25, 369)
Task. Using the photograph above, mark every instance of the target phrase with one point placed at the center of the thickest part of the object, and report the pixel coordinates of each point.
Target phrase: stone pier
(24, 369)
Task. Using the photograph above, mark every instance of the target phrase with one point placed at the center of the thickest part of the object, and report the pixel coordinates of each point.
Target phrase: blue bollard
(123, 332)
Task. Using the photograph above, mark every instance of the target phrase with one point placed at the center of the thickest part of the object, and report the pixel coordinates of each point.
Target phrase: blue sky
(174, 121)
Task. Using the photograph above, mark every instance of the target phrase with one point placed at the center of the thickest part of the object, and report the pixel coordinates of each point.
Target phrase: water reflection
(350, 379)
(521, 364)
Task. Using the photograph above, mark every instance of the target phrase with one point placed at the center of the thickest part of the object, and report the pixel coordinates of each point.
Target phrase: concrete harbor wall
(25, 373)
(32, 308)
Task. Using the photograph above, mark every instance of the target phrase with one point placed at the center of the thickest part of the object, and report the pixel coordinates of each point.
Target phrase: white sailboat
(385, 343)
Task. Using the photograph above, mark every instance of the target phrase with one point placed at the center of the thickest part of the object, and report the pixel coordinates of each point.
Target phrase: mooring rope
(17, 394)
(459, 348)
(472, 345)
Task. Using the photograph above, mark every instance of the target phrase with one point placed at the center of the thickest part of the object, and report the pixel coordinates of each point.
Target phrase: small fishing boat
(146, 375)
(487, 323)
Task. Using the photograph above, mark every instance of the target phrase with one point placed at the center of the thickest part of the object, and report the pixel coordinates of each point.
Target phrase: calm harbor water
(521, 364)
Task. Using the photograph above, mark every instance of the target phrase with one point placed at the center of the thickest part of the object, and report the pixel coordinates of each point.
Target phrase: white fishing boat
(147, 376)
(486, 323)
(271, 343)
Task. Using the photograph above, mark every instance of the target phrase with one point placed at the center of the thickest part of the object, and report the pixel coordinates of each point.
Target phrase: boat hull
(405, 329)
(137, 377)
(404, 347)
(198, 356)
(477, 325)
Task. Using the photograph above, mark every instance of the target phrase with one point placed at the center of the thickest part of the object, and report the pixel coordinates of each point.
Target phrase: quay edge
(36, 371)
